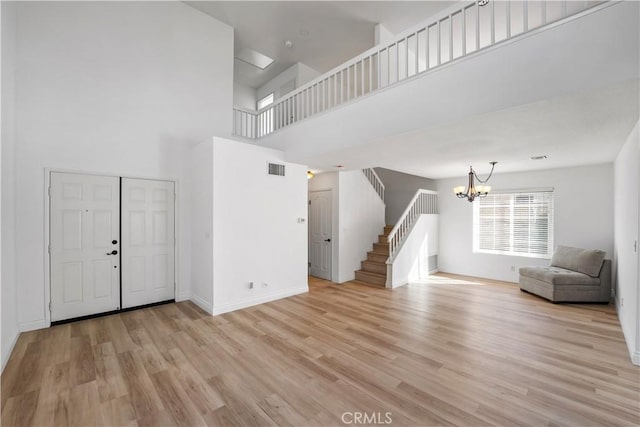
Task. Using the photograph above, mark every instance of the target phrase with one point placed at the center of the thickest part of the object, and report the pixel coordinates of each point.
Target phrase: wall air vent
(276, 169)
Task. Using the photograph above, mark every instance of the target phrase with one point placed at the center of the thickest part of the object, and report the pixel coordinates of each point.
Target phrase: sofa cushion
(587, 261)
(558, 276)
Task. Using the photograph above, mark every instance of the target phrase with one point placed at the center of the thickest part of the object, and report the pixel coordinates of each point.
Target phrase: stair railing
(245, 123)
(424, 202)
(462, 30)
(375, 181)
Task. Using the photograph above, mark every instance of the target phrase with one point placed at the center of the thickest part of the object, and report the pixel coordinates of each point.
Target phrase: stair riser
(374, 267)
(372, 256)
(364, 277)
(383, 239)
(381, 248)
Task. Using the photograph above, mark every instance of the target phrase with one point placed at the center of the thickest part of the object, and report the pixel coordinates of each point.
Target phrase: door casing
(312, 219)
(47, 240)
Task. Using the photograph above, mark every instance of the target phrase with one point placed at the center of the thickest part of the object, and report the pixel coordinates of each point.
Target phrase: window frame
(548, 201)
(273, 99)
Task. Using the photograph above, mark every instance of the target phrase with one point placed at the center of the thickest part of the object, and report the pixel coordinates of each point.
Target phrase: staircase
(374, 268)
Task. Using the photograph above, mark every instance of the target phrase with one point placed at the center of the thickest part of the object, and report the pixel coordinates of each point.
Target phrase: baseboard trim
(183, 297)
(200, 302)
(633, 354)
(32, 326)
(6, 351)
(226, 308)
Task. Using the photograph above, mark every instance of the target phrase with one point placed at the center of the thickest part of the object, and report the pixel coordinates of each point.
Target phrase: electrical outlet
(513, 268)
(250, 285)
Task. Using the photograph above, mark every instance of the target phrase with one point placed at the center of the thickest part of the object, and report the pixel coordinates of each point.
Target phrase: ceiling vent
(276, 169)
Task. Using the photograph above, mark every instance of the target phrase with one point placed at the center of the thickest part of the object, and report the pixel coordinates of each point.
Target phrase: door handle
(113, 252)
(327, 240)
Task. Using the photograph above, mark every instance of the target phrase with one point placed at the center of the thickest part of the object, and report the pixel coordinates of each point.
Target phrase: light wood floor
(451, 352)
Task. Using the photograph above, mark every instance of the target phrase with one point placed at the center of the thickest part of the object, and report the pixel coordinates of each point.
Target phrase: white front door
(84, 244)
(148, 261)
(320, 234)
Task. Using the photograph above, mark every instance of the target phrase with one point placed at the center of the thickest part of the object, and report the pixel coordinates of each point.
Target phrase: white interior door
(320, 234)
(84, 244)
(148, 241)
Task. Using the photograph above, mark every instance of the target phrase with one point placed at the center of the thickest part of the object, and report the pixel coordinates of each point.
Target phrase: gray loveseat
(575, 275)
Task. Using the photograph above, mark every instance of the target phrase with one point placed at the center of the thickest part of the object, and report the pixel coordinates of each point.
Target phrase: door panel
(84, 220)
(320, 234)
(148, 241)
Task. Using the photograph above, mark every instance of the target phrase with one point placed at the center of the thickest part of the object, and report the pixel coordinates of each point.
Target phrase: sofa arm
(605, 280)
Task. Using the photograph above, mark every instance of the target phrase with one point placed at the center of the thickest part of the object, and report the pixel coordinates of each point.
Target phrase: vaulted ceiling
(323, 34)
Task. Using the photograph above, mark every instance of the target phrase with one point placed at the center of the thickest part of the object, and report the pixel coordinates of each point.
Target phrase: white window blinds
(518, 224)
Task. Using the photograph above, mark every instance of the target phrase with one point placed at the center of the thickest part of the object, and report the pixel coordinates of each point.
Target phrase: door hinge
(49, 305)
(49, 249)
(49, 191)
(309, 201)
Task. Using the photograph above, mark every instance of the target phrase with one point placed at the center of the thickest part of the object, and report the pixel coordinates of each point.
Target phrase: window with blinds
(518, 224)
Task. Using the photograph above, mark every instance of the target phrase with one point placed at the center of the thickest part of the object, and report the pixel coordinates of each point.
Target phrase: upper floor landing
(470, 61)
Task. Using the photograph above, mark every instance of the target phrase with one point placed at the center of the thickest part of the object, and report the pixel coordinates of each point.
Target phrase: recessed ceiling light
(539, 157)
(303, 32)
(483, 2)
(288, 44)
(254, 58)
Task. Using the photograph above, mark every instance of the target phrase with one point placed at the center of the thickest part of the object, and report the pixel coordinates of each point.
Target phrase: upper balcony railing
(464, 30)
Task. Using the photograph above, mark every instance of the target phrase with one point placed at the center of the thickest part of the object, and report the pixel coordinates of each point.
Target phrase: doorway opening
(111, 244)
(320, 234)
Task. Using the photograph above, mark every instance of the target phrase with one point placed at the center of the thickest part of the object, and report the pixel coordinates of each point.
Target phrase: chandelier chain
(493, 165)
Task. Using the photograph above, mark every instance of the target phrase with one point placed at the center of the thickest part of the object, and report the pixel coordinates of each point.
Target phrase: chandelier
(473, 190)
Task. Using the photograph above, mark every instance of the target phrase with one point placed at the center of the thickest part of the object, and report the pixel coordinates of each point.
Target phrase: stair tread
(376, 255)
(369, 261)
(376, 261)
(370, 273)
(381, 248)
(374, 266)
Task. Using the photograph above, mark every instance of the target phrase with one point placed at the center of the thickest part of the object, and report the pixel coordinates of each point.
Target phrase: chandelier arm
(493, 165)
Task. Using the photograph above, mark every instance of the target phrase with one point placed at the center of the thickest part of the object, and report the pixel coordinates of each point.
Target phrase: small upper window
(267, 100)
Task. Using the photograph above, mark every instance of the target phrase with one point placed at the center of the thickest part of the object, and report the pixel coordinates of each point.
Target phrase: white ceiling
(324, 33)
(577, 129)
(570, 92)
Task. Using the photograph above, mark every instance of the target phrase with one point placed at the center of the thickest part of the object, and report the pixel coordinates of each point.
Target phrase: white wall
(381, 35)
(412, 262)
(9, 317)
(298, 72)
(361, 220)
(583, 217)
(201, 226)
(399, 189)
(626, 196)
(244, 96)
(120, 88)
(329, 181)
(357, 219)
(306, 74)
(257, 234)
